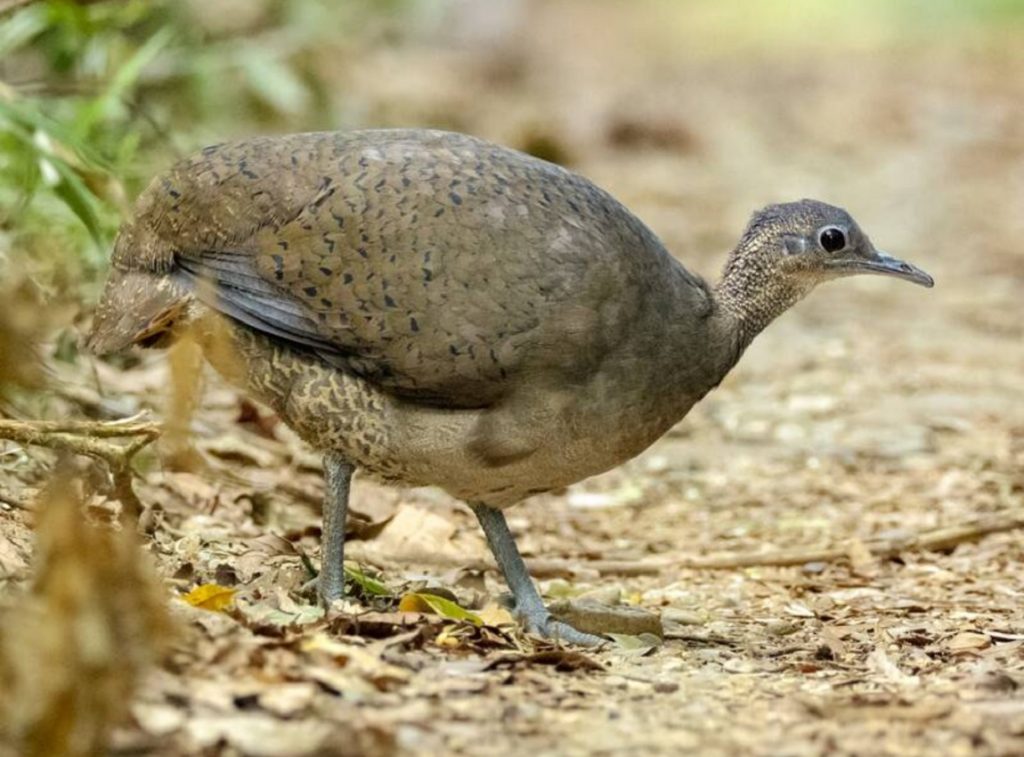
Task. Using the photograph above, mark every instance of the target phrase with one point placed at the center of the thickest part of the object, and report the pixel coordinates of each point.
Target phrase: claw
(543, 625)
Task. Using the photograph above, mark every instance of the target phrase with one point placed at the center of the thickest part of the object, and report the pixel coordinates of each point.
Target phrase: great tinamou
(434, 309)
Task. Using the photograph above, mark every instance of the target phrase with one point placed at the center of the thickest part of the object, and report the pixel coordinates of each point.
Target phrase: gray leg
(529, 606)
(337, 475)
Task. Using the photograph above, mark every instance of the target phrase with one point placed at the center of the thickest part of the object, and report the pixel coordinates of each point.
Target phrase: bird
(430, 308)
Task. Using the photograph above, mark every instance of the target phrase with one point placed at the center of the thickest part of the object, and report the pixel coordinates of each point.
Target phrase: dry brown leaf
(269, 618)
(862, 562)
(421, 535)
(287, 700)
(13, 557)
(832, 639)
(594, 617)
(259, 734)
(364, 661)
(883, 665)
(967, 642)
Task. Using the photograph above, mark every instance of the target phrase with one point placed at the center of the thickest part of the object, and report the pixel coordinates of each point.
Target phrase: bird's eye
(832, 239)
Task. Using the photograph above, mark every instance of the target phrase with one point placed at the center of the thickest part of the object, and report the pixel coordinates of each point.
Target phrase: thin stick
(548, 568)
(937, 539)
(97, 429)
(89, 438)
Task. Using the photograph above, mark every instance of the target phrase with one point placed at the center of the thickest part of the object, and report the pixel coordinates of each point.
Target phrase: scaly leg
(529, 606)
(337, 477)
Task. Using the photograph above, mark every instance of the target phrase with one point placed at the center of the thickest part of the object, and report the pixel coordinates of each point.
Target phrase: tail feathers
(137, 307)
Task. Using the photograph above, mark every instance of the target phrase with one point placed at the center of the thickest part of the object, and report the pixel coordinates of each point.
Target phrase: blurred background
(693, 111)
(873, 409)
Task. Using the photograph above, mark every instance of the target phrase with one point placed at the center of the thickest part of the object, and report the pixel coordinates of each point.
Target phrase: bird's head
(790, 248)
(141, 303)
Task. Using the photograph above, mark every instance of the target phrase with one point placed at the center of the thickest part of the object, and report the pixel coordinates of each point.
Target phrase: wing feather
(437, 265)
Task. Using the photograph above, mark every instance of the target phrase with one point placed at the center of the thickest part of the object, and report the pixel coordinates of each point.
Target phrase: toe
(329, 591)
(559, 631)
(542, 624)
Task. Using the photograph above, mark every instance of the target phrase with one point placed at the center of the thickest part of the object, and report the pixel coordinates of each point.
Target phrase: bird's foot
(327, 591)
(539, 621)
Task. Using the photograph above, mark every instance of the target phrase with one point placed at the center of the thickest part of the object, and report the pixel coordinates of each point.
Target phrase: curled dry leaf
(258, 734)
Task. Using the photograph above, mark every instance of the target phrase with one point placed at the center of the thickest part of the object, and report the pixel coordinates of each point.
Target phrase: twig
(551, 568)
(709, 639)
(90, 438)
(564, 568)
(935, 540)
(100, 429)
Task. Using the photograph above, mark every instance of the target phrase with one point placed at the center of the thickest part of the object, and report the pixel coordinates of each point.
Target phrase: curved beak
(886, 265)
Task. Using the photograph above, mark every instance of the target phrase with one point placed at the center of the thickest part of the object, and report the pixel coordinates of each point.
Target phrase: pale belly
(496, 456)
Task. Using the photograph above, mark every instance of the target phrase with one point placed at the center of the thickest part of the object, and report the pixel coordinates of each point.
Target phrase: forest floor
(873, 414)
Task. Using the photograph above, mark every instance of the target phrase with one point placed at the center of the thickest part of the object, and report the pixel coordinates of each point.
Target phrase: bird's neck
(749, 297)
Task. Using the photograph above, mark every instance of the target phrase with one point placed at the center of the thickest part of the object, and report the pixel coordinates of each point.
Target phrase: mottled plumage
(435, 309)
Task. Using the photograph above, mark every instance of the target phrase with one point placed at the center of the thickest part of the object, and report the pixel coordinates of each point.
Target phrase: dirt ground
(873, 413)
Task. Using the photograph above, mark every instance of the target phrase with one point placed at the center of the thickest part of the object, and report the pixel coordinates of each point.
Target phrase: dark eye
(832, 239)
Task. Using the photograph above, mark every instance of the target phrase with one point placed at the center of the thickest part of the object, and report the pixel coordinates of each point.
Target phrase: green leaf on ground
(431, 603)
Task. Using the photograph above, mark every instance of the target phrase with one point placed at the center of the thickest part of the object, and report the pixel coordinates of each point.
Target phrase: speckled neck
(750, 295)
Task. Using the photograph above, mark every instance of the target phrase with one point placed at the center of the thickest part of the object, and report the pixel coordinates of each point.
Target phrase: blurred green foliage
(97, 96)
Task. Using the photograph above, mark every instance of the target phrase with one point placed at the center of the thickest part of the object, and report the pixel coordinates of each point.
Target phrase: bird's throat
(749, 299)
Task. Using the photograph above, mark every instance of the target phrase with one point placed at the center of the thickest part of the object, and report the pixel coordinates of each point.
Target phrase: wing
(441, 267)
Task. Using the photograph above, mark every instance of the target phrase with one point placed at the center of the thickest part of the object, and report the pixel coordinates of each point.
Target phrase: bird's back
(444, 268)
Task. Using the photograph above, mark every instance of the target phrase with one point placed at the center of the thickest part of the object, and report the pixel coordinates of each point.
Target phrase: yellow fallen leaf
(447, 640)
(212, 597)
(430, 603)
(494, 615)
